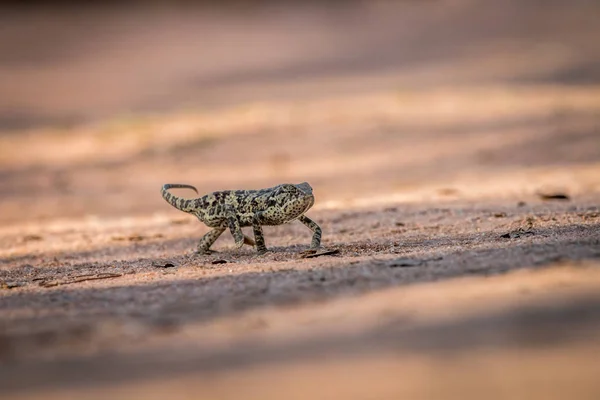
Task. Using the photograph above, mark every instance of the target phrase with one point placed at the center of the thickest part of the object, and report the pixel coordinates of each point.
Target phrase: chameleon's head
(296, 199)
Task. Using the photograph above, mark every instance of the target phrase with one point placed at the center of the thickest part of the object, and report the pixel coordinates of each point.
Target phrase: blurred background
(102, 104)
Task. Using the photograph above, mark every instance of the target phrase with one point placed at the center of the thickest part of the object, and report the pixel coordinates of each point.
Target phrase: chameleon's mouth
(309, 204)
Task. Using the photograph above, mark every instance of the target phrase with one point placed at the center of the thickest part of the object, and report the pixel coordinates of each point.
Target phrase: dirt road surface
(456, 174)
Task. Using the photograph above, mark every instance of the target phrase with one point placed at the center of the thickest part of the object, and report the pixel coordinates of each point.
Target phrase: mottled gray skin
(234, 209)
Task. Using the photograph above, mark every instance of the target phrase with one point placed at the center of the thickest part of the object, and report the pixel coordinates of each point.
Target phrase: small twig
(79, 278)
(107, 275)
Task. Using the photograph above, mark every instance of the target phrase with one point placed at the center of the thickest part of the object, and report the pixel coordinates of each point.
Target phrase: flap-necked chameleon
(234, 209)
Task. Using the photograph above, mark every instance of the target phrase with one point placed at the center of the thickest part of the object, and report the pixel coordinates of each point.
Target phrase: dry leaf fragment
(312, 253)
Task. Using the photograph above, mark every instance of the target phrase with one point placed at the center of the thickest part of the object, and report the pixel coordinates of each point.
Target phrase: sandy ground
(465, 216)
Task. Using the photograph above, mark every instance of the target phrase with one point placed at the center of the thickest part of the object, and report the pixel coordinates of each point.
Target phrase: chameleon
(235, 209)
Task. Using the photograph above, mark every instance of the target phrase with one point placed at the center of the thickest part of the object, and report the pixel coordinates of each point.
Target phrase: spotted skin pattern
(234, 209)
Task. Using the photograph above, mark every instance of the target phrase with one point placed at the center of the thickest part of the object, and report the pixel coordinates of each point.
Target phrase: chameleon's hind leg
(208, 240)
(258, 233)
(234, 226)
(312, 225)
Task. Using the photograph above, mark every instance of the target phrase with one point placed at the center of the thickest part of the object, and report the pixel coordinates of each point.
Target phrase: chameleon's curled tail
(185, 205)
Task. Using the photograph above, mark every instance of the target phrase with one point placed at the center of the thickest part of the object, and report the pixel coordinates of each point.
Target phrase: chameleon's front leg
(259, 238)
(208, 240)
(312, 225)
(234, 226)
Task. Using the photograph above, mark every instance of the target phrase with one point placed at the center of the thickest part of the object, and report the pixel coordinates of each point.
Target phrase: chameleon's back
(250, 202)
(246, 201)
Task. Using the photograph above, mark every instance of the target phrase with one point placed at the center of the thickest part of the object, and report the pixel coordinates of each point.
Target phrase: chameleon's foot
(262, 251)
